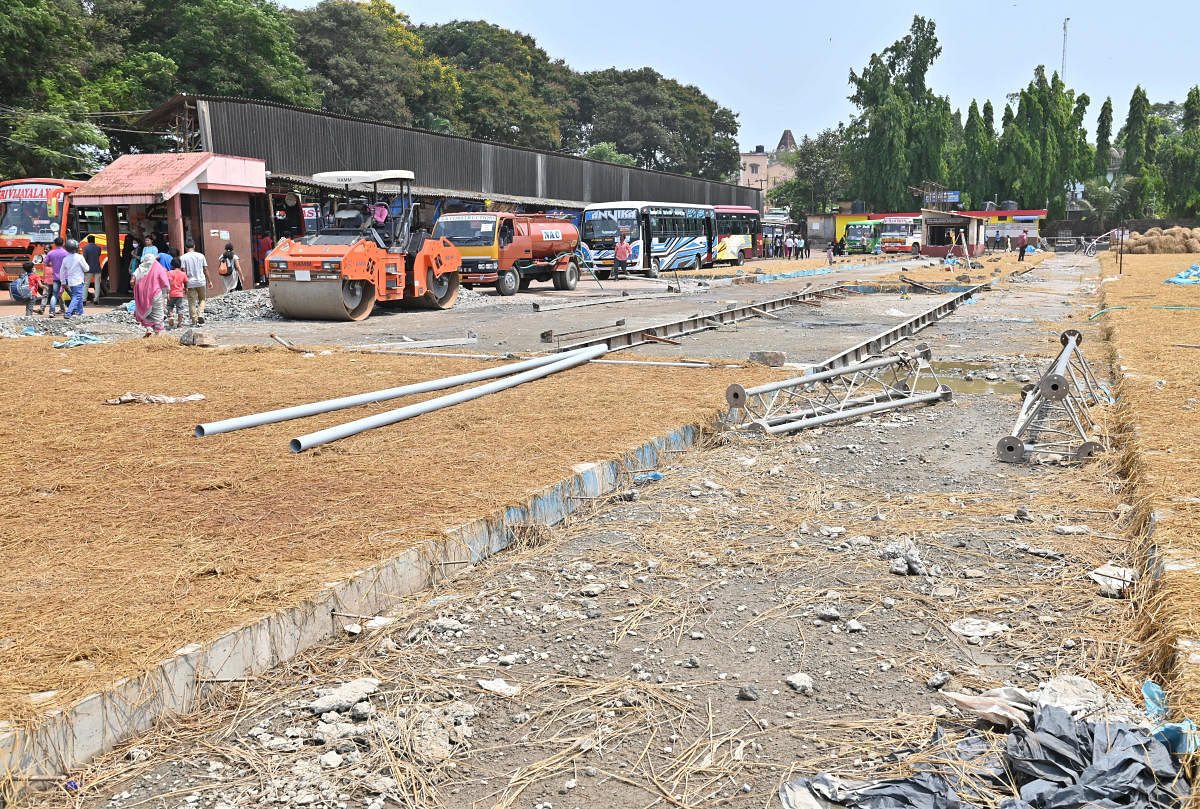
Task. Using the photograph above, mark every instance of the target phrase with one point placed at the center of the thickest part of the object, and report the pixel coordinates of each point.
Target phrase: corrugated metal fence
(302, 142)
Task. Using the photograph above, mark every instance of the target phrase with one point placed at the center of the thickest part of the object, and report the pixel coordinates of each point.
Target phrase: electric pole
(1062, 69)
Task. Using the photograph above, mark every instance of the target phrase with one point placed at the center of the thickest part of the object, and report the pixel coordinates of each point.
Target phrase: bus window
(604, 225)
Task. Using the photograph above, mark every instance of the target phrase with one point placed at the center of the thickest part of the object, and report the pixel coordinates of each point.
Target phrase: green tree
(1135, 132)
(606, 152)
(1105, 199)
(1191, 110)
(903, 132)
(979, 151)
(821, 174)
(1104, 138)
(663, 124)
(354, 63)
(512, 91)
(436, 99)
(45, 92)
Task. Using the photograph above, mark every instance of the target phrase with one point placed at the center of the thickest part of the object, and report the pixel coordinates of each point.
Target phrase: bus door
(647, 240)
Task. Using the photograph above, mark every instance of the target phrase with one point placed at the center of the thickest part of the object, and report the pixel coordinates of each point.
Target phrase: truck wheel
(603, 275)
(916, 249)
(697, 265)
(740, 260)
(525, 282)
(508, 281)
(568, 278)
(652, 270)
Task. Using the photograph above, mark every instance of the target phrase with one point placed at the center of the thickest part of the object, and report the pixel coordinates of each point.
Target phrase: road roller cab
(366, 255)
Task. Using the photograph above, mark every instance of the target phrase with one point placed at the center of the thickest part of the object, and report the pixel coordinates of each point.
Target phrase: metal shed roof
(147, 179)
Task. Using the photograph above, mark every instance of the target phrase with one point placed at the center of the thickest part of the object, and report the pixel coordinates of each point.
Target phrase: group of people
(161, 280)
(63, 279)
(788, 247)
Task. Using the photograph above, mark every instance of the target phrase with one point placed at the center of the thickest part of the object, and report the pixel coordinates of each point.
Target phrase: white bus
(663, 236)
(901, 234)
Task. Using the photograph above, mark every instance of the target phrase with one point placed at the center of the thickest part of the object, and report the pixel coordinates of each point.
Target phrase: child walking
(176, 296)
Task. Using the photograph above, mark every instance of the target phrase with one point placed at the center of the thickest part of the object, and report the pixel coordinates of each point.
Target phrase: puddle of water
(951, 373)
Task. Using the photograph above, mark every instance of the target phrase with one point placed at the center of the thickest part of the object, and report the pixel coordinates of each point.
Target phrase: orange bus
(36, 211)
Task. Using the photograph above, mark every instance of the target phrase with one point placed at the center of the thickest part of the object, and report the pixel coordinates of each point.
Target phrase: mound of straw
(1157, 241)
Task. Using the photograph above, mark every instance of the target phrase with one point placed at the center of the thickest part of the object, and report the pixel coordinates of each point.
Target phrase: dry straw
(1159, 389)
(125, 538)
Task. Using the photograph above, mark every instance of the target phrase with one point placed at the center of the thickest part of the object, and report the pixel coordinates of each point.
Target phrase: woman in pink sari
(150, 287)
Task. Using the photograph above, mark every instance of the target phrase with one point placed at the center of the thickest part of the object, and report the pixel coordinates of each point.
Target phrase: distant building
(762, 170)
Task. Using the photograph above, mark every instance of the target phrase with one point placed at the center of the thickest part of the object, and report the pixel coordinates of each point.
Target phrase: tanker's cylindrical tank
(550, 237)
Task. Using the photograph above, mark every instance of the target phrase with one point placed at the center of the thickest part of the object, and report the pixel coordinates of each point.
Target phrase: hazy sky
(785, 64)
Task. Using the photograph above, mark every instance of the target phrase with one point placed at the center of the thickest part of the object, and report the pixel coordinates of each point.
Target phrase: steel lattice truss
(885, 383)
(1055, 419)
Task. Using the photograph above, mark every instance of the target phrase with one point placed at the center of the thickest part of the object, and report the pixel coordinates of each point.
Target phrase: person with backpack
(229, 267)
(24, 288)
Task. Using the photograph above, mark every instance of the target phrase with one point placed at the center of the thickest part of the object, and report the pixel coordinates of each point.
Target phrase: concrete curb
(39, 755)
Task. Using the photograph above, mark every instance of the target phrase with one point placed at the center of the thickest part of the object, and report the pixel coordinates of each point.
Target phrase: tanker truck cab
(509, 251)
(370, 253)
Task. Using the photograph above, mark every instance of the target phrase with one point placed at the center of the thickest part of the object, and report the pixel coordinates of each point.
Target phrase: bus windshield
(28, 218)
(467, 231)
(606, 224)
(859, 231)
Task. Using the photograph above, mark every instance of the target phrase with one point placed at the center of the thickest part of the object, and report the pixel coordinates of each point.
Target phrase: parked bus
(663, 236)
(36, 211)
(739, 233)
(863, 236)
(901, 234)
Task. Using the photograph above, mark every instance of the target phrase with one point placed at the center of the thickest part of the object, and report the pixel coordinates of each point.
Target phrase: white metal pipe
(315, 408)
(565, 361)
(651, 362)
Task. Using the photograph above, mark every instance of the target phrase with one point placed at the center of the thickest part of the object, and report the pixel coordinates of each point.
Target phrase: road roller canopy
(346, 178)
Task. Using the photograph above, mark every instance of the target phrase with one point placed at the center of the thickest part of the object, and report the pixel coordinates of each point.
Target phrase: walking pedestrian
(25, 287)
(54, 260)
(129, 261)
(829, 254)
(91, 254)
(1022, 245)
(74, 276)
(198, 284)
(150, 285)
(177, 279)
(621, 253)
(262, 246)
(229, 267)
(799, 247)
(789, 244)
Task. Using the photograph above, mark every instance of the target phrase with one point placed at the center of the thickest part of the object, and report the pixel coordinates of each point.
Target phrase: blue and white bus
(663, 235)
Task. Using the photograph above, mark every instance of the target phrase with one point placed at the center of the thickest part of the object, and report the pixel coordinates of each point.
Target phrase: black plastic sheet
(1057, 763)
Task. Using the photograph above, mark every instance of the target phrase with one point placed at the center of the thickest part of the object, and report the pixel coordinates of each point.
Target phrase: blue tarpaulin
(1189, 276)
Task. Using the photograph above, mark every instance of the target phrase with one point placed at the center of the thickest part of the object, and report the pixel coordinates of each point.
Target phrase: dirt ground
(651, 642)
